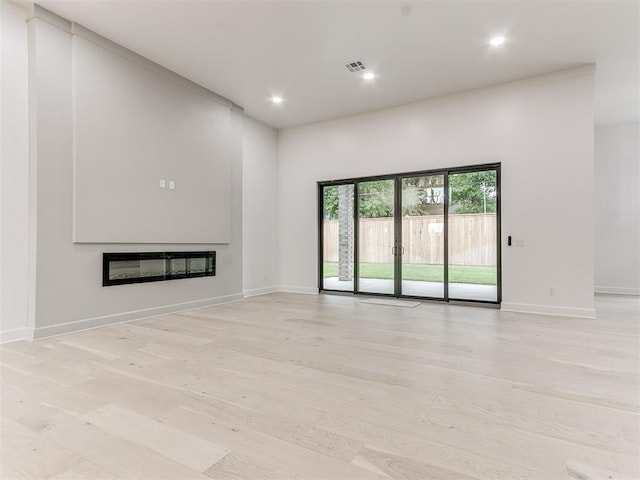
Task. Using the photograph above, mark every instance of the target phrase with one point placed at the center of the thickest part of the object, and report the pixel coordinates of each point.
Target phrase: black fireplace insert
(138, 267)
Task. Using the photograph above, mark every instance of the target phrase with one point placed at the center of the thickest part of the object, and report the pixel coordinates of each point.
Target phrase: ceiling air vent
(357, 66)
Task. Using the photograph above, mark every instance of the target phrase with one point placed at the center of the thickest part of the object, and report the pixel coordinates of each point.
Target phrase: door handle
(394, 250)
(401, 250)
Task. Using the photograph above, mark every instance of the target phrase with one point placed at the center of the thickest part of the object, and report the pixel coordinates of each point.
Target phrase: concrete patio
(459, 291)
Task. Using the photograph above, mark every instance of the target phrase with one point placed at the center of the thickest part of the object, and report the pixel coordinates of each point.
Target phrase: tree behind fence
(472, 239)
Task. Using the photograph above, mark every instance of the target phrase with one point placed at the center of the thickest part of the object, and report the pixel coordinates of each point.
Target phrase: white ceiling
(249, 50)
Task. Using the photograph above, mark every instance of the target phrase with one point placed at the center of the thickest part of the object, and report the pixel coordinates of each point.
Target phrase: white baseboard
(90, 323)
(259, 291)
(290, 289)
(548, 310)
(16, 334)
(617, 290)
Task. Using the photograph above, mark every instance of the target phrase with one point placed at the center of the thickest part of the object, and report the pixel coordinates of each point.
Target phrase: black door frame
(397, 178)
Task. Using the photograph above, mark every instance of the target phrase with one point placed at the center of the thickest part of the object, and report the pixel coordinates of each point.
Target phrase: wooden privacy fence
(472, 239)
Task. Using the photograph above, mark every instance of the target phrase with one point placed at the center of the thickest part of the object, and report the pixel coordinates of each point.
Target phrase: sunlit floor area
(286, 386)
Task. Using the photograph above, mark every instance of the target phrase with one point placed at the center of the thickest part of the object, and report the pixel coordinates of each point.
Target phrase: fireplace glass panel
(123, 269)
(198, 265)
(178, 266)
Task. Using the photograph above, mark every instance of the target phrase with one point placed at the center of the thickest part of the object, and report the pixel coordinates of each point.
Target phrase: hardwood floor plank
(184, 448)
(401, 468)
(85, 470)
(237, 466)
(26, 455)
(286, 459)
(280, 427)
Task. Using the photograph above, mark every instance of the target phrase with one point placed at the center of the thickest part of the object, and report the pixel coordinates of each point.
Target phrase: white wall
(135, 123)
(14, 171)
(68, 288)
(260, 208)
(617, 208)
(540, 129)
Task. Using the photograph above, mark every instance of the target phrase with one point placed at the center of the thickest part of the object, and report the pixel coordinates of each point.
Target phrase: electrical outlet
(172, 185)
(163, 183)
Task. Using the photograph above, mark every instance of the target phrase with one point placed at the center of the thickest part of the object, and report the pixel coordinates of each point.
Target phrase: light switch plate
(163, 183)
(172, 185)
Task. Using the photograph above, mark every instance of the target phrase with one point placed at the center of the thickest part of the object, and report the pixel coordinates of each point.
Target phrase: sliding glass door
(473, 240)
(338, 241)
(422, 248)
(376, 236)
(433, 235)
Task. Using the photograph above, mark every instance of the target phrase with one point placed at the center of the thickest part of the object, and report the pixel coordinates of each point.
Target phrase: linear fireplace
(138, 267)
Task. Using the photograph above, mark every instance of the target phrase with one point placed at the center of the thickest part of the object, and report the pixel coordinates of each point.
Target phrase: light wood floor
(324, 387)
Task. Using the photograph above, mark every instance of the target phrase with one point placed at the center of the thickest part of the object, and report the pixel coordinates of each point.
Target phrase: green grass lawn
(480, 275)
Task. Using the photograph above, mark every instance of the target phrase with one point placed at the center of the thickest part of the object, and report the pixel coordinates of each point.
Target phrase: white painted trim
(50, 18)
(32, 260)
(16, 334)
(259, 291)
(290, 289)
(90, 323)
(617, 290)
(548, 310)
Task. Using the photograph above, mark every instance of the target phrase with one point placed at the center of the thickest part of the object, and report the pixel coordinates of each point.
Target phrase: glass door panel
(376, 238)
(338, 237)
(422, 250)
(473, 227)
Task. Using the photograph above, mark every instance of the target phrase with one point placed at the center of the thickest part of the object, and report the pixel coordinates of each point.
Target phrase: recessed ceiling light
(276, 99)
(496, 41)
(368, 76)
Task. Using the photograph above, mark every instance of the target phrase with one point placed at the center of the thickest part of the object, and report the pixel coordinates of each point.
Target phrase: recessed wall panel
(133, 128)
